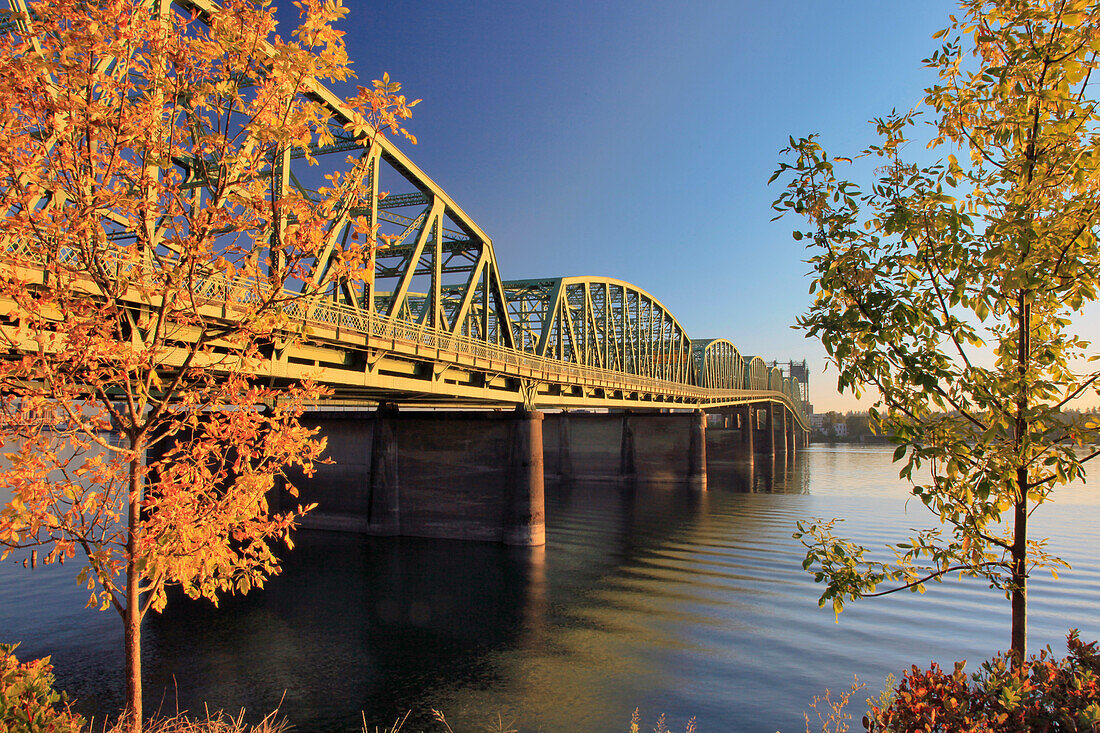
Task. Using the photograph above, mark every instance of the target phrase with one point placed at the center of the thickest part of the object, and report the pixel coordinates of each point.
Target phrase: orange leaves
(152, 257)
(1039, 694)
(208, 525)
(381, 107)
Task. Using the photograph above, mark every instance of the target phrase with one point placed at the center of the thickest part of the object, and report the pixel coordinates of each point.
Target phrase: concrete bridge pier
(780, 427)
(455, 475)
(525, 515)
(623, 447)
(565, 455)
(628, 467)
(383, 495)
(746, 417)
(791, 435)
(769, 430)
(697, 452)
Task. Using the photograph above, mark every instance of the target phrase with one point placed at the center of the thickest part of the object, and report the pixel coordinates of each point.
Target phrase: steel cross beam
(433, 323)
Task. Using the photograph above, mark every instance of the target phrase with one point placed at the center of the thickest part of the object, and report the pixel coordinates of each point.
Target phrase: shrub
(1043, 694)
(28, 702)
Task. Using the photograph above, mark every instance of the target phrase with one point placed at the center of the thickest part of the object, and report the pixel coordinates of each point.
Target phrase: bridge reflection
(386, 625)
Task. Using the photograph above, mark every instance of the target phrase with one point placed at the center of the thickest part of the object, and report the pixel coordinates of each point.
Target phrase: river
(647, 597)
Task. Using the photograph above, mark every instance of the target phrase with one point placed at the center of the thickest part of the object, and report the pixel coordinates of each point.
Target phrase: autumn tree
(149, 263)
(954, 290)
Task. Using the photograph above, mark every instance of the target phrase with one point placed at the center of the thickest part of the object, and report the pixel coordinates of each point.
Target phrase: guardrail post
(697, 452)
(525, 510)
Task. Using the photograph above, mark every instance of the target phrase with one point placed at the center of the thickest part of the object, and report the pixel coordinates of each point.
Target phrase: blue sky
(635, 139)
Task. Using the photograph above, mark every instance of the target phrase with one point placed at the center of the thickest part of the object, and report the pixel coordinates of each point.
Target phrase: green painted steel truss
(603, 323)
(434, 323)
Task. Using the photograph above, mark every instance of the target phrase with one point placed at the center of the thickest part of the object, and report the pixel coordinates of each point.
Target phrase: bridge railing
(219, 290)
(386, 328)
(383, 327)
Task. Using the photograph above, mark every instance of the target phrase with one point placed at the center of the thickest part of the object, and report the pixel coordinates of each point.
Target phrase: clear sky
(635, 139)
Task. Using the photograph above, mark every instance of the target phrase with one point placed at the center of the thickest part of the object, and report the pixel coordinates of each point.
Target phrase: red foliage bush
(28, 702)
(1044, 695)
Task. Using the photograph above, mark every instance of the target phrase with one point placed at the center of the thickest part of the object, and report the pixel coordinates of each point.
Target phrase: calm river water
(645, 597)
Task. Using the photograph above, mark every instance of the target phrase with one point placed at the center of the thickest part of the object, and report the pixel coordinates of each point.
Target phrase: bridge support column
(781, 444)
(747, 417)
(525, 515)
(623, 447)
(792, 436)
(383, 492)
(627, 465)
(697, 452)
(769, 430)
(565, 448)
(456, 475)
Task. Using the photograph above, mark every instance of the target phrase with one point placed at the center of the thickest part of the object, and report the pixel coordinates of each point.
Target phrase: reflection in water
(646, 595)
(764, 474)
(348, 616)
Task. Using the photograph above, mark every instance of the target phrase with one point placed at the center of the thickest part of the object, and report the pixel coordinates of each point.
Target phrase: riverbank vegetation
(1044, 693)
(953, 290)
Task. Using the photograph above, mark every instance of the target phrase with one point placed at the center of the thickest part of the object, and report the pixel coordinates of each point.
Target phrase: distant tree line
(855, 426)
(849, 427)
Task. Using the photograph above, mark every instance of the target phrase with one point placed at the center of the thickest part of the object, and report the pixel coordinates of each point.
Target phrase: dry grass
(498, 727)
(208, 722)
(662, 724)
(831, 715)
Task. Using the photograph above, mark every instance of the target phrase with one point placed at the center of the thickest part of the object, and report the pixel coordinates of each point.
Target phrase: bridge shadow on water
(387, 625)
(348, 617)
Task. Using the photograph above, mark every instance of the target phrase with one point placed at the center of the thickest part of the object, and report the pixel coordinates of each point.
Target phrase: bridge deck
(432, 322)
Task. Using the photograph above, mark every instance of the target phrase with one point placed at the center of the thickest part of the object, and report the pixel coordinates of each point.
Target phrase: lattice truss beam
(431, 266)
(756, 373)
(602, 323)
(719, 364)
(428, 263)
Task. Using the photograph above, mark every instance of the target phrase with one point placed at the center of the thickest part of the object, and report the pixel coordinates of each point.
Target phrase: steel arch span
(433, 322)
(603, 323)
(718, 363)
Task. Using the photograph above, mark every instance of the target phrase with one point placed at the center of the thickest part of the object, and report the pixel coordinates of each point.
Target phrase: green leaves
(961, 312)
(28, 701)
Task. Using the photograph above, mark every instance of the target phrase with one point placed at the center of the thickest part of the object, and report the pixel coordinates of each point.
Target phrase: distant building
(840, 430)
(817, 421)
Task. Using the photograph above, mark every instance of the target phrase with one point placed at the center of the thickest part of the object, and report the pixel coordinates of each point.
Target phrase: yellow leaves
(385, 85)
(177, 242)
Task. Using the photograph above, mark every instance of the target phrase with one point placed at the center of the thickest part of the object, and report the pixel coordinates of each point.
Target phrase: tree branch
(931, 576)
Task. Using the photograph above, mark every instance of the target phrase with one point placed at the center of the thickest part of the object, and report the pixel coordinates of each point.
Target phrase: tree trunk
(1019, 573)
(1019, 538)
(131, 615)
(132, 621)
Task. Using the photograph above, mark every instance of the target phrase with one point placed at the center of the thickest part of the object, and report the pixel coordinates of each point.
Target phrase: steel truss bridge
(436, 323)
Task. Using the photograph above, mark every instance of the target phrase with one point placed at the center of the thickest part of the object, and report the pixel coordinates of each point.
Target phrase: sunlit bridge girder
(718, 363)
(432, 322)
(601, 322)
